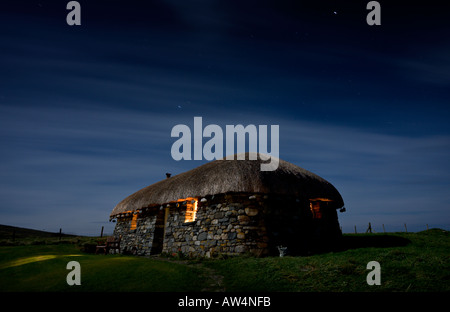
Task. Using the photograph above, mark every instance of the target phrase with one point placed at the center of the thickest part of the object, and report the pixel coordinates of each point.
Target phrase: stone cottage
(230, 207)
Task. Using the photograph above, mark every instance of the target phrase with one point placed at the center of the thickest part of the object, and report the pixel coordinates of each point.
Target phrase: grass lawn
(410, 262)
(423, 264)
(43, 268)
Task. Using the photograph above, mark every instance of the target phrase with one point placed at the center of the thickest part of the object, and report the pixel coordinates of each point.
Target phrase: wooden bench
(101, 247)
(111, 243)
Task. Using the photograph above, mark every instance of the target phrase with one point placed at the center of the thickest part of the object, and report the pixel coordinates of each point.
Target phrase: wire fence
(369, 228)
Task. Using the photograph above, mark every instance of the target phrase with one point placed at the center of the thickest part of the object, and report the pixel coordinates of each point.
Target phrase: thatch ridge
(237, 176)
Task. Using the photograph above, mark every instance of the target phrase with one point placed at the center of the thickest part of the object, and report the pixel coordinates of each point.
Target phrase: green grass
(43, 268)
(420, 265)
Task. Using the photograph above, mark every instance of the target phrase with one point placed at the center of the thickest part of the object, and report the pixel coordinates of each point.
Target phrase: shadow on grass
(346, 242)
(379, 241)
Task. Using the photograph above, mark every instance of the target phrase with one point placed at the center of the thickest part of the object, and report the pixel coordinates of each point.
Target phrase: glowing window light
(191, 208)
(134, 222)
(315, 209)
(315, 206)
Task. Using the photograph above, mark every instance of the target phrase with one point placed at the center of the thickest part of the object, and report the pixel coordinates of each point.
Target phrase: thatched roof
(224, 176)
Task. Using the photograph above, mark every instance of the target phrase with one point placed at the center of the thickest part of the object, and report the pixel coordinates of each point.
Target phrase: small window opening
(134, 222)
(191, 209)
(315, 209)
(316, 205)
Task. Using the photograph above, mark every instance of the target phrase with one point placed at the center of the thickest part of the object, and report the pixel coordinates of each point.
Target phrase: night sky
(86, 111)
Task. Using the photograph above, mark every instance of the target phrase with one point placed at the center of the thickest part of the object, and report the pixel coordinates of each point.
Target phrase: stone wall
(228, 224)
(138, 241)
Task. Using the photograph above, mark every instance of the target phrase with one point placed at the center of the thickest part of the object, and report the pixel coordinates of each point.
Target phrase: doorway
(158, 234)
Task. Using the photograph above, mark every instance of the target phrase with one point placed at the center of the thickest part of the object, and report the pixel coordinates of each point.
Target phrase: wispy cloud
(432, 66)
(380, 176)
(86, 116)
(69, 167)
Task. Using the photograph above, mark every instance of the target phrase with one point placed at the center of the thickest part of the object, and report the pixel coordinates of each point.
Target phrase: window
(191, 209)
(134, 222)
(317, 205)
(315, 209)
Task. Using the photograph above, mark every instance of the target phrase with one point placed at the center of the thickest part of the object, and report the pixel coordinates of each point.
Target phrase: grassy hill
(409, 262)
(13, 235)
(418, 262)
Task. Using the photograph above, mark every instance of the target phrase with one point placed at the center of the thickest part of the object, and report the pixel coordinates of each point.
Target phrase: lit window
(314, 205)
(315, 209)
(134, 222)
(191, 209)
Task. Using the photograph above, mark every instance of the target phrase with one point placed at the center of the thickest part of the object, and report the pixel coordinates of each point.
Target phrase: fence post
(101, 234)
(355, 230)
(406, 229)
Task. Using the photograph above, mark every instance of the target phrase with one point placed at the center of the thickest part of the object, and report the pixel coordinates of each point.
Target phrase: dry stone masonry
(228, 224)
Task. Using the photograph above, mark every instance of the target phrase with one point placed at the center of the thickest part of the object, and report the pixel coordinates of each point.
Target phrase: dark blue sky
(86, 111)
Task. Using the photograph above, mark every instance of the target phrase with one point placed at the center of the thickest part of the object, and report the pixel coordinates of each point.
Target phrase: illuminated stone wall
(226, 224)
(230, 224)
(138, 241)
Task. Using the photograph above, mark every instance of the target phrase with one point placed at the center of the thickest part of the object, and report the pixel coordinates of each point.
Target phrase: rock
(251, 212)
(243, 219)
(248, 227)
(202, 236)
(240, 249)
(219, 215)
